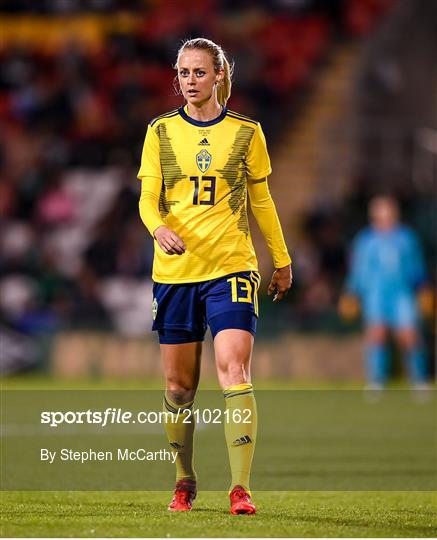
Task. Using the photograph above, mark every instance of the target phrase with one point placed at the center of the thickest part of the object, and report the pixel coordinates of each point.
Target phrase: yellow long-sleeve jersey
(195, 179)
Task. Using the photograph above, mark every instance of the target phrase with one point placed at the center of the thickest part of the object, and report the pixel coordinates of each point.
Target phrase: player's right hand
(348, 307)
(169, 241)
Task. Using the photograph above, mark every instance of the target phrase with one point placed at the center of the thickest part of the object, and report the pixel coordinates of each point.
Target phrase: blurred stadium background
(345, 91)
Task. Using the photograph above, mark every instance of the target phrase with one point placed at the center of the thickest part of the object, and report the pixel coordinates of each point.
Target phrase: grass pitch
(280, 514)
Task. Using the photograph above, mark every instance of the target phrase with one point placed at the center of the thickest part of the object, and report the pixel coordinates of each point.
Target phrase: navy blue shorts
(182, 312)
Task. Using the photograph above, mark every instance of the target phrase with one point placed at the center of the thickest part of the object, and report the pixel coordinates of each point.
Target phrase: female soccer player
(198, 164)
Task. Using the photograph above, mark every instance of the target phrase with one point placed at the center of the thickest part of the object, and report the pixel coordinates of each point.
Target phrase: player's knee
(180, 394)
(407, 338)
(377, 335)
(232, 372)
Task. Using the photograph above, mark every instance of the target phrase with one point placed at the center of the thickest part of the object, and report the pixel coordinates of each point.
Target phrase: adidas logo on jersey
(242, 440)
(204, 142)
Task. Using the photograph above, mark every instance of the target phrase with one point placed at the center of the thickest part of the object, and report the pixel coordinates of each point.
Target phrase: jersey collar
(198, 123)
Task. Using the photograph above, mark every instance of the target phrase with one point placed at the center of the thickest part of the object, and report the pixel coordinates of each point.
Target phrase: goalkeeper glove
(348, 307)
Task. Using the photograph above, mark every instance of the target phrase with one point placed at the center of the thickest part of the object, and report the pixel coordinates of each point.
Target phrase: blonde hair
(219, 61)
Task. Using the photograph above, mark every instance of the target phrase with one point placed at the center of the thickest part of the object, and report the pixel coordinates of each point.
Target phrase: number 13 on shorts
(245, 290)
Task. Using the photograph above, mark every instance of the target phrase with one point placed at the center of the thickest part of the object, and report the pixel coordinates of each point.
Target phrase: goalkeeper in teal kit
(388, 277)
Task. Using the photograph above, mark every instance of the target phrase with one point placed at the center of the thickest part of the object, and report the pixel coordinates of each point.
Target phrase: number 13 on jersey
(203, 185)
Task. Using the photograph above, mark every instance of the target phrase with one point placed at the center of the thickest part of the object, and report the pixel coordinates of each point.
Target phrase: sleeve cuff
(281, 263)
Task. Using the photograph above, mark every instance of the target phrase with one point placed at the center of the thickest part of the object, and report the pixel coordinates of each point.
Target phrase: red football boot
(184, 495)
(241, 502)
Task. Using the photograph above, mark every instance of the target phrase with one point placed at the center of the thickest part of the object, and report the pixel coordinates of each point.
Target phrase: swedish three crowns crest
(203, 160)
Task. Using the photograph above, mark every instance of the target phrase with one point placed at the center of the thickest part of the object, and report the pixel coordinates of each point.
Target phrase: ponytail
(224, 86)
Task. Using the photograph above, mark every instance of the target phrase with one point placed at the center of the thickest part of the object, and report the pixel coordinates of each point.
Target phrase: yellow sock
(240, 431)
(180, 436)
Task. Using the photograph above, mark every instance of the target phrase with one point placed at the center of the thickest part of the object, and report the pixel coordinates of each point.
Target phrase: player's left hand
(426, 299)
(280, 282)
